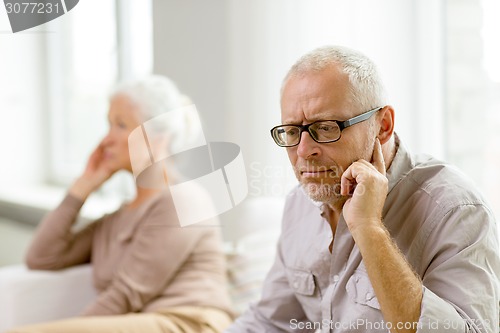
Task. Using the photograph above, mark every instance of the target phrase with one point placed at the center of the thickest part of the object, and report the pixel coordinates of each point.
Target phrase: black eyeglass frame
(341, 124)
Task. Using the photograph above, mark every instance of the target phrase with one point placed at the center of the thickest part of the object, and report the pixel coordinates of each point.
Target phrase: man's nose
(307, 147)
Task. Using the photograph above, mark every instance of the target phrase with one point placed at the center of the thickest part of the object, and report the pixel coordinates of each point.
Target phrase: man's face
(324, 95)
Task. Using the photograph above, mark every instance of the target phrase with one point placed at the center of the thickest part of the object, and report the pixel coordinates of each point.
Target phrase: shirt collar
(401, 164)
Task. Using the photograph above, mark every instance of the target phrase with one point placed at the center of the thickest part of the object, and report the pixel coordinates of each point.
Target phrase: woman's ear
(386, 122)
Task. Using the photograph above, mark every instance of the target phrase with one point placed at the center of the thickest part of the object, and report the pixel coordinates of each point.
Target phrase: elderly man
(374, 239)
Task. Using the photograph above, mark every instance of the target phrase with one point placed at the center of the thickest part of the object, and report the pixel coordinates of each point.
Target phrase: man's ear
(386, 122)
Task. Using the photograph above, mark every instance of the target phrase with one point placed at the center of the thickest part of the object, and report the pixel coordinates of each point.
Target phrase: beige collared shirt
(440, 223)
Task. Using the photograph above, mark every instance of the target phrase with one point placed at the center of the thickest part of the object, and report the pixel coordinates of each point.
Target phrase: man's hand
(364, 208)
(363, 214)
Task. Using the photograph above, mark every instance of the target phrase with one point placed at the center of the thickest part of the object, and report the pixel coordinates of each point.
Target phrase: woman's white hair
(366, 87)
(155, 95)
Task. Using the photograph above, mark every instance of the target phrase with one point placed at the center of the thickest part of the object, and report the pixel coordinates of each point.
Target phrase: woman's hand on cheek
(97, 171)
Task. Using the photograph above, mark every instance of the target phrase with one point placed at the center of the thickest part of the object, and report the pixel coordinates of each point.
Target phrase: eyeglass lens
(322, 131)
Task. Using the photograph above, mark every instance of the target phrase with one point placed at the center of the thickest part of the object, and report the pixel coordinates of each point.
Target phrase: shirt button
(336, 278)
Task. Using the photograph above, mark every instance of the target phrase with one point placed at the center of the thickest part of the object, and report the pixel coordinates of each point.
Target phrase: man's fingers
(360, 170)
(346, 181)
(378, 157)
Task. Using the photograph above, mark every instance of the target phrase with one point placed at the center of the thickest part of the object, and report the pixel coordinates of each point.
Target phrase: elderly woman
(152, 275)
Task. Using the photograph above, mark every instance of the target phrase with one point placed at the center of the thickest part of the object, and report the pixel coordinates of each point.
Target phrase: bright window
(490, 33)
(98, 44)
(473, 92)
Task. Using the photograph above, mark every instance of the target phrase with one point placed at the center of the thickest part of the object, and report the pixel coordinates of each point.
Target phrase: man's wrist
(370, 231)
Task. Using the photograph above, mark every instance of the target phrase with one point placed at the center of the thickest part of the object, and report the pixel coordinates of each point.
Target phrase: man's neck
(334, 210)
(389, 150)
(332, 214)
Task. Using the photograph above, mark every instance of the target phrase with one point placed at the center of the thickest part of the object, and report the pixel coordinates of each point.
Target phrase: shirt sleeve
(159, 247)
(277, 305)
(54, 245)
(461, 282)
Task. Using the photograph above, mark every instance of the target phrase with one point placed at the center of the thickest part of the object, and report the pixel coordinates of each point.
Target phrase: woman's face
(123, 117)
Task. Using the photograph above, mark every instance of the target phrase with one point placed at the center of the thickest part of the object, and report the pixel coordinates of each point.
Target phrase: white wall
(190, 46)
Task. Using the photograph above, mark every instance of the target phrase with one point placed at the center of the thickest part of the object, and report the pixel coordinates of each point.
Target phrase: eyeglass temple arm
(358, 119)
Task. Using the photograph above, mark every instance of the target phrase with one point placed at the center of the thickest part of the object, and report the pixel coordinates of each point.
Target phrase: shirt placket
(325, 284)
(342, 247)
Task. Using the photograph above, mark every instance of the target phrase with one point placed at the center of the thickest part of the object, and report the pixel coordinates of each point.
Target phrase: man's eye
(325, 128)
(292, 132)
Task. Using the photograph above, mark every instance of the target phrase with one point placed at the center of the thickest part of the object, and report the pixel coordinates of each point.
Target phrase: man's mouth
(315, 173)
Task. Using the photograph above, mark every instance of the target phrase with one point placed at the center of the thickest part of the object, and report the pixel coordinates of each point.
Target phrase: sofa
(35, 296)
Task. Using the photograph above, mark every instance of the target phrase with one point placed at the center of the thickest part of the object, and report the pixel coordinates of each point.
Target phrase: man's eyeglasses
(323, 131)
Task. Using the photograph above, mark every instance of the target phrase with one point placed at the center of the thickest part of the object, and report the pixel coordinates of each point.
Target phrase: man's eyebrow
(310, 121)
(322, 115)
(291, 123)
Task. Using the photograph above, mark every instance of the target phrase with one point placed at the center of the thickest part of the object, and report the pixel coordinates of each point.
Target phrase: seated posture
(152, 275)
(374, 239)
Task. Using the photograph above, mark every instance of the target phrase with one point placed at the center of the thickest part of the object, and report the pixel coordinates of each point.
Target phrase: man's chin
(324, 193)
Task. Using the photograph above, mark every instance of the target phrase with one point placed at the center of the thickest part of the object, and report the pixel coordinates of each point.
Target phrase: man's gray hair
(367, 88)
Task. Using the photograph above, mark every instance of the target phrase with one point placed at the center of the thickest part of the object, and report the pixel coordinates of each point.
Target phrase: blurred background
(439, 59)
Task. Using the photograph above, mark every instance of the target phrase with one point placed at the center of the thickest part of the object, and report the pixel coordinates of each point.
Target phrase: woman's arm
(54, 246)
